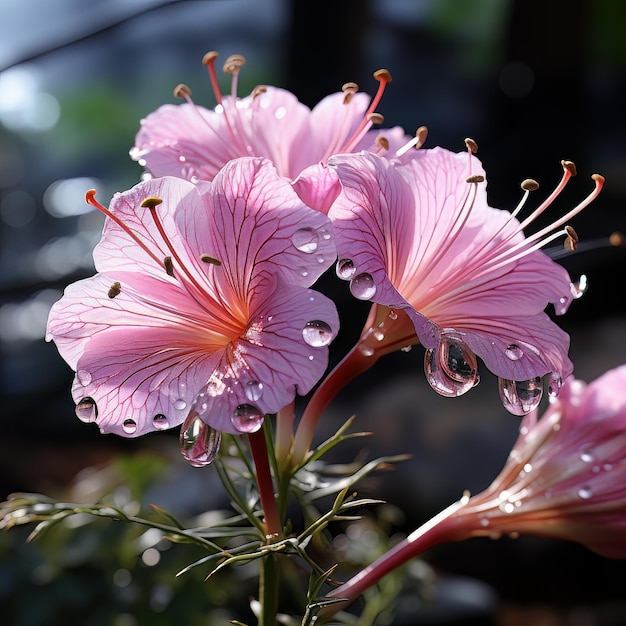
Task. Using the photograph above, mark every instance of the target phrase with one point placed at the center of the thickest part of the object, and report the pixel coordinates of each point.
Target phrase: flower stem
(258, 445)
(268, 591)
(445, 526)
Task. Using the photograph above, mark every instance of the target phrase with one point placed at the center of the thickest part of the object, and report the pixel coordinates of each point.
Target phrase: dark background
(533, 82)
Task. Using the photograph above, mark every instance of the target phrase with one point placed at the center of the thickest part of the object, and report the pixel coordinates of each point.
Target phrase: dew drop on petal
(199, 443)
(520, 397)
(554, 385)
(160, 422)
(362, 286)
(451, 368)
(317, 333)
(87, 411)
(514, 352)
(585, 492)
(366, 350)
(247, 418)
(305, 240)
(345, 269)
(253, 390)
(180, 404)
(129, 426)
(84, 377)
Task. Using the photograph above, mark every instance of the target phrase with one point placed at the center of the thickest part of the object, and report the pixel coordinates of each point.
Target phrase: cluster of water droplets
(451, 370)
(362, 285)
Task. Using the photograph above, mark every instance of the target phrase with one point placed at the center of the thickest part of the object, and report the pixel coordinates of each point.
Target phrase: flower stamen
(417, 142)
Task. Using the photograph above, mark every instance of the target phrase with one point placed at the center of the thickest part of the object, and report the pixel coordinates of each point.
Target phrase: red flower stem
(445, 526)
(258, 445)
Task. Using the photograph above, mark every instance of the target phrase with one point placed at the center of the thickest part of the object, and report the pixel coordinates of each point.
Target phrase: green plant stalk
(268, 591)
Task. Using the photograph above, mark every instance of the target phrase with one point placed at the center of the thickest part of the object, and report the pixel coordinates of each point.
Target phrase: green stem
(268, 591)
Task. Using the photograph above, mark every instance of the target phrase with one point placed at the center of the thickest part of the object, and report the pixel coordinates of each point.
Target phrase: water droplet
(324, 233)
(366, 350)
(451, 369)
(311, 357)
(129, 426)
(378, 335)
(363, 287)
(199, 443)
(320, 258)
(484, 522)
(393, 315)
(160, 422)
(585, 492)
(586, 457)
(345, 269)
(87, 411)
(317, 333)
(580, 287)
(520, 397)
(305, 240)
(554, 385)
(507, 507)
(253, 390)
(180, 404)
(406, 349)
(84, 377)
(247, 418)
(514, 352)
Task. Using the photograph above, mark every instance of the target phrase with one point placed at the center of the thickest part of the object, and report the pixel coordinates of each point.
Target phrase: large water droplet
(305, 240)
(363, 287)
(87, 411)
(520, 397)
(129, 426)
(199, 443)
(180, 404)
(84, 377)
(345, 269)
(514, 352)
(160, 422)
(317, 333)
(451, 368)
(585, 492)
(253, 390)
(247, 418)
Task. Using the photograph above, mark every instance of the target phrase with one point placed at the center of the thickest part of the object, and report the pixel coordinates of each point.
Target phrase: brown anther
(421, 133)
(209, 57)
(569, 166)
(530, 184)
(350, 88)
(376, 118)
(571, 241)
(182, 91)
(598, 178)
(151, 202)
(209, 259)
(234, 63)
(476, 178)
(472, 146)
(617, 239)
(384, 76)
(383, 142)
(169, 266)
(258, 90)
(114, 289)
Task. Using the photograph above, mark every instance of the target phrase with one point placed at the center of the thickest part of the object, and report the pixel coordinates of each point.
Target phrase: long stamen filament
(90, 198)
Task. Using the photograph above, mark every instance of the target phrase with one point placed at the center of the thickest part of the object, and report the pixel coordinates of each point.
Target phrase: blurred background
(533, 82)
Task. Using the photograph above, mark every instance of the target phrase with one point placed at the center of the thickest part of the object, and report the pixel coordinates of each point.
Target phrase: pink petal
(318, 187)
(273, 352)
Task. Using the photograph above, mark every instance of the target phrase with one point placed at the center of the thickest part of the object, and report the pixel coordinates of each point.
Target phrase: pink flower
(194, 143)
(200, 308)
(446, 270)
(565, 478)
(566, 474)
